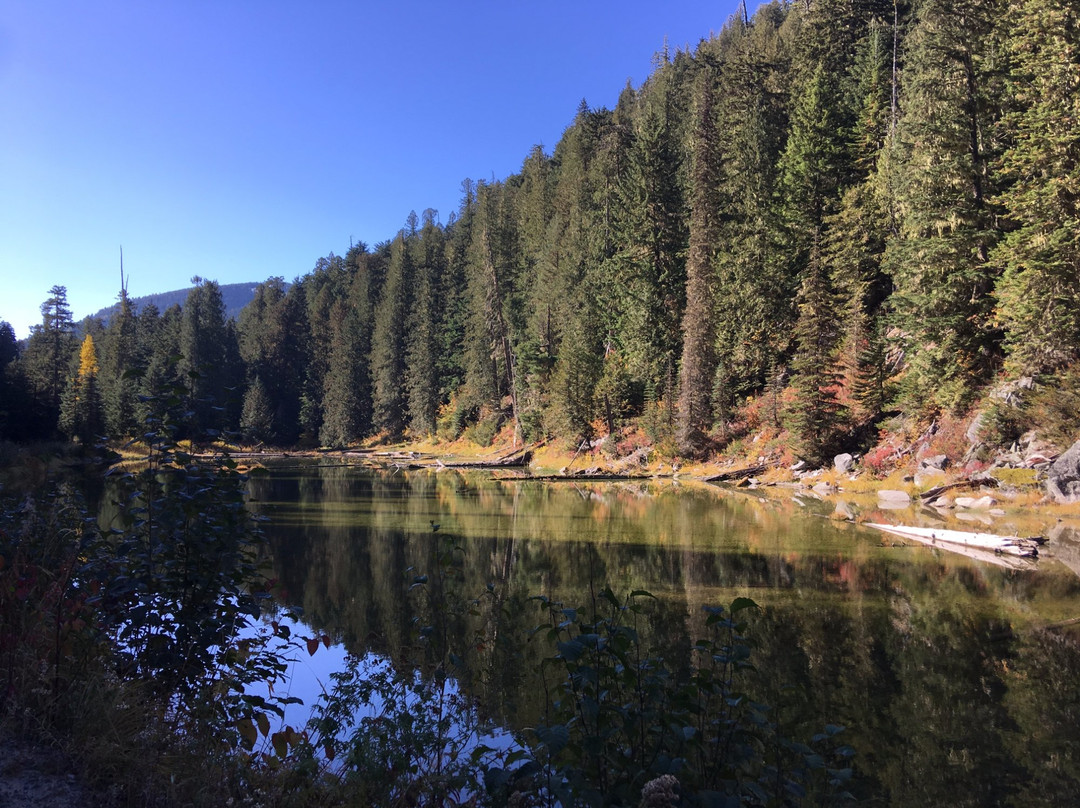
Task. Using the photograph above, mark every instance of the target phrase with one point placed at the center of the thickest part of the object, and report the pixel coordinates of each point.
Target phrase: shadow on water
(956, 680)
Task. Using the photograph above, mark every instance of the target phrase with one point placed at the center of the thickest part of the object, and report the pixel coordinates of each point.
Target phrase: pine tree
(257, 416)
(698, 366)
(320, 290)
(208, 363)
(490, 352)
(347, 402)
(576, 374)
(13, 394)
(46, 361)
(816, 381)
(939, 259)
(270, 341)
(423, 323)
(121, 354)
(754, 289)
(1040, 287)
(651, 230)
(389, 399)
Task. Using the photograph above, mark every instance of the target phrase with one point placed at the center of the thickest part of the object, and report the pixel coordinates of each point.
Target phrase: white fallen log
(1011, 545)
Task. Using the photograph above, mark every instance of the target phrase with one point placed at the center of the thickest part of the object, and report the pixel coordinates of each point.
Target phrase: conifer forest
(851, 208)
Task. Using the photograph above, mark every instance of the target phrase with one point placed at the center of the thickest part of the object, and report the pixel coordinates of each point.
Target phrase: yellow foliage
(88, 364)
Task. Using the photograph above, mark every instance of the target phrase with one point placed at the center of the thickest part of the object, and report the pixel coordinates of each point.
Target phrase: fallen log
(577, 478)
(987, 542)
(974, 482)
(520, 457)
(736, 474)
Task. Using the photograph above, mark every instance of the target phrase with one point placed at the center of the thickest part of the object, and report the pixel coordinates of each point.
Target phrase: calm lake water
(958, 680)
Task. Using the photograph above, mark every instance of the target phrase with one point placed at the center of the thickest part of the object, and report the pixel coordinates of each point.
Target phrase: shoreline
(995, 497)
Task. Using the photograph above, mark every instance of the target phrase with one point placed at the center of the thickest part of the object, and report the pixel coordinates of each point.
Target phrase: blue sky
(242, 139)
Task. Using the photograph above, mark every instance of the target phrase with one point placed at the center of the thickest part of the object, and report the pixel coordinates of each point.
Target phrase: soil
(32, 775)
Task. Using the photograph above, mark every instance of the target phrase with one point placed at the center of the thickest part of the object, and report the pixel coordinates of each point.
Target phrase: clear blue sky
(241, 139)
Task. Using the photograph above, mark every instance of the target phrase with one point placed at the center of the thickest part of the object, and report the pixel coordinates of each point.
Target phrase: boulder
(892, 496)
(1063, 476)
(933, 463)
(976, 503)
(843, 463)
(824, 489)
(974, 428)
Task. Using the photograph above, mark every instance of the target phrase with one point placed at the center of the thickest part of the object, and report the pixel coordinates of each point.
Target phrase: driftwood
(521, 457)
(578, 478)
(1026, 547)
(736, 474)
(976, 482)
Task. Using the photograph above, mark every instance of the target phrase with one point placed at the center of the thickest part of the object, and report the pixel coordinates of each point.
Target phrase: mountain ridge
(234, 295)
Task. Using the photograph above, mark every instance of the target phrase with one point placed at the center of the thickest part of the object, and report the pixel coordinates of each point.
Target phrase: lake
(958, 681)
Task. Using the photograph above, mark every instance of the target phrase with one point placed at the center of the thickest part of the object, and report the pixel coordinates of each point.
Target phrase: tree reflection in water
(951, 691)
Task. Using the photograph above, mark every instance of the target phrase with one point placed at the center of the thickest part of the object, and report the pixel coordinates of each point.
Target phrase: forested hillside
(235, 297)
(836, 209)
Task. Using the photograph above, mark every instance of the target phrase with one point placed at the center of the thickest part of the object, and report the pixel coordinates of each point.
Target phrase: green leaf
(739, 604)
(555, 738)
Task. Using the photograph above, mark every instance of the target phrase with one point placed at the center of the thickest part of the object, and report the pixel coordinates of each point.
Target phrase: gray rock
(976, 503)
(934, 463)
(1063, 476)
(890, 495)
(843, 463)
(824, 489)
(974, 428)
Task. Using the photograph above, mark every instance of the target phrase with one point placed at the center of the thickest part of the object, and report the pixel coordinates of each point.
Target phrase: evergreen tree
(46, 361)
(121, 354)
(698, 366)
(423, 325)
(939, 259)
(270, 340)
(577, 373)
(347, 404)
(754, 289)
(1038, 293)
(651, 229)
(160, 334)
(327, 283)
(813, 167)
(257, 420)
(816, 381)
(389, 400)
(455, 299)
(13, 395)
(490, 367)
(208, 347)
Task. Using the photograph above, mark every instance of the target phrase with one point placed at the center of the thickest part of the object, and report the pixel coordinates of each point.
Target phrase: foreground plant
(151, 626)
(624, 724)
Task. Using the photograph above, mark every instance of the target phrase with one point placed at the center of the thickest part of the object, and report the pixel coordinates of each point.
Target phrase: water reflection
(952, 686)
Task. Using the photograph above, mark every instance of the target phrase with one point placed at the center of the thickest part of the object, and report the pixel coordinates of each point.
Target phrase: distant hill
(234, 295)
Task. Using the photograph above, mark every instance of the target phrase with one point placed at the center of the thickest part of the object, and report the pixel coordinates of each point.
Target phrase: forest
(840, 210)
